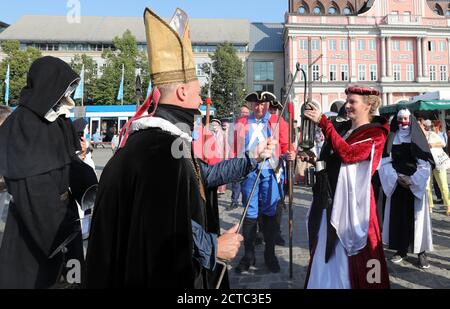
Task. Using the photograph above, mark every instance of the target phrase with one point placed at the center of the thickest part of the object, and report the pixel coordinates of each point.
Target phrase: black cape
(141, 233)
(38, 146)
(35, 158)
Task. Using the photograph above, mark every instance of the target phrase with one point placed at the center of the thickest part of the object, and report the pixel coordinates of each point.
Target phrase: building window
(372, 45)
(395, 45)
(410, 72)
(263, 71)
(332, 44)
(344, 72)
(304, 67)
(266, 87)
(302, 10)
(362, 72)
(316, 72)
(332, 10)
(317, 10)
(199, 69)
(333, 74)
(344, 45)
(205, 48)
(397, 72)
(408, 45)
(432, 73)
(447, 13)
(347, 11)
(315, 44)
(431, 46)
(442, 46)
(373, 72)
(438, 10)
(361, 45)
(304, 44)
(444, 75)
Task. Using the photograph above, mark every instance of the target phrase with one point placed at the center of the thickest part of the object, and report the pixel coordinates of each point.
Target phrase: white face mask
(63, 107)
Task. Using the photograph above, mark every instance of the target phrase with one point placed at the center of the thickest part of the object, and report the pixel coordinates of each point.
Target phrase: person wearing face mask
(38, 145)
(404, 174)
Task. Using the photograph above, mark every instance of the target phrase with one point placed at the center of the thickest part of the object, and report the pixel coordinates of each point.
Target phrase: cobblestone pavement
(406, 275)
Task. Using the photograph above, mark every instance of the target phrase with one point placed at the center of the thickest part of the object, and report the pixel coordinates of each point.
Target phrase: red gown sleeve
(350, 154)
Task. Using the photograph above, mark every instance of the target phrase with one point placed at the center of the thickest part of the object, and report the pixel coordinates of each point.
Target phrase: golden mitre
(169, 48)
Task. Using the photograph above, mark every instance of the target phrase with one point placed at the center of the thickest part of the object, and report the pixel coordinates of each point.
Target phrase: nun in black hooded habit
(37, 146)
(404, 174)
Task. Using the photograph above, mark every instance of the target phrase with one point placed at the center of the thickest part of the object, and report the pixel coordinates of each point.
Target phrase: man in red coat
(250, 132)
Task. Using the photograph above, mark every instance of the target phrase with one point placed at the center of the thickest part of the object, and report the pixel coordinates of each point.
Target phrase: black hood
(29, 144)
(48, 80)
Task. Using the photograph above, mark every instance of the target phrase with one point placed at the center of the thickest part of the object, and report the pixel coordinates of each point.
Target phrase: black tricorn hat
(276, 104)
(261, 97)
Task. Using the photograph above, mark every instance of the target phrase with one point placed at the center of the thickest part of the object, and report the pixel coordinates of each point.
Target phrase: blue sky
(253, 10)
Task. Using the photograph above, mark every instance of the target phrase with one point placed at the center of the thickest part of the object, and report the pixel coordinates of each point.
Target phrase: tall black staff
(244, 214)
(291, 179)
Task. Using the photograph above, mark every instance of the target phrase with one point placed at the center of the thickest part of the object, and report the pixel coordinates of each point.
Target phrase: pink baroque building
(400, 47)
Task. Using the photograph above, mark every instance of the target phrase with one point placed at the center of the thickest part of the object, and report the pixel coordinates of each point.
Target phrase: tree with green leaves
(90, 74)
(227, 88)
(19, 62)
(125, 53)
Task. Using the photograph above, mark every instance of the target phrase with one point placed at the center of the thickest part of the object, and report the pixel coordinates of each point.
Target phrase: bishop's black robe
(141, 234)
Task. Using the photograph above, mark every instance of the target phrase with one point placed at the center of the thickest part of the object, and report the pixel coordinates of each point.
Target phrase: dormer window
(347, 11)
(332, 10)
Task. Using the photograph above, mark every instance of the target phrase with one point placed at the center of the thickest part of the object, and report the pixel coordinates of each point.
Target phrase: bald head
(183, 95)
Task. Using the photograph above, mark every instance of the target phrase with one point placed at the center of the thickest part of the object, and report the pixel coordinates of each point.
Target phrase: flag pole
(123, 82)
(7, 85)
(82, 87)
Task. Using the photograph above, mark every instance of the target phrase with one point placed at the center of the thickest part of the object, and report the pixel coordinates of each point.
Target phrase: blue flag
(120, 94)
(7, 86)
(80, 89)
(149, 89)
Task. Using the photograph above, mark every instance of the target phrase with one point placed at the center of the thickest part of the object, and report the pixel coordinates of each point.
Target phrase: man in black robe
(155, 221)
(37, 146)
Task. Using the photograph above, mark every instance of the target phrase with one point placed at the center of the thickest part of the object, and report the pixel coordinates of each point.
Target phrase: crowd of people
(156, 217)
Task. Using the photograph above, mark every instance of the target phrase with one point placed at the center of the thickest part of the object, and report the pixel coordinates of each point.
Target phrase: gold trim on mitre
(170, 53)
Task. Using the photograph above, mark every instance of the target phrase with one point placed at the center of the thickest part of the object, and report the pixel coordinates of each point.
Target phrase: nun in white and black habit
(404, 173)
(38, 146)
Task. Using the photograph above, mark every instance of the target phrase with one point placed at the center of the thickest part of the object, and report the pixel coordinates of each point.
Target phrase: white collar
(156, 122)
(402, 136)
